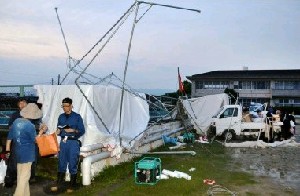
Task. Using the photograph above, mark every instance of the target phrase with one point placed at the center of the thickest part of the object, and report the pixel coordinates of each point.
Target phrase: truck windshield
(230, 112)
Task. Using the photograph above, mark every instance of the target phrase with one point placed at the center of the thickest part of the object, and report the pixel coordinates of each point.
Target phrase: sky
(226, 35)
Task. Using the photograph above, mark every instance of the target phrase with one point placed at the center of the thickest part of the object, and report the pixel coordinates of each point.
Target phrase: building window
(296, 102)
(284, 101)
(287, 85)
(287, 102)
(245, 85)
(297, 85)
(207, 85)
(212, 85)
(199, 85)
(279, 85)
(260, 85)
(254, 85)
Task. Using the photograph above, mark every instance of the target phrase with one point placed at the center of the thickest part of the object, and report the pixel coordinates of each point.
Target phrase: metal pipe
(86, 166)
(168, 152)
(91, 147)
(159, 137)
(157, 131)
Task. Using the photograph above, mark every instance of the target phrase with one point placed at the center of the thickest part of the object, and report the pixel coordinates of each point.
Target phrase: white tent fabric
(203, 108)
(106, 101)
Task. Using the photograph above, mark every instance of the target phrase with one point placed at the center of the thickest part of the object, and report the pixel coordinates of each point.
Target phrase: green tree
(187, 88)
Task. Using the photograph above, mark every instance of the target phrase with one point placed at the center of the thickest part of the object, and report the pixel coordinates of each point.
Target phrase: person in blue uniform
(70, 129)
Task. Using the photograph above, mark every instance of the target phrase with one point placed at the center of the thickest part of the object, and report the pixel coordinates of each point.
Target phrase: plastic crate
(146, 170)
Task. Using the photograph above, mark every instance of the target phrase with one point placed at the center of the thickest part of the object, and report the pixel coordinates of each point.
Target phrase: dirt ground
(277, 171)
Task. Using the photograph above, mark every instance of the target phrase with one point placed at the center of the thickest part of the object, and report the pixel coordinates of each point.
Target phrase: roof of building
(249, 74)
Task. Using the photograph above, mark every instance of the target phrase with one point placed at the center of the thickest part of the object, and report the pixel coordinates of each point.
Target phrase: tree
(187, 88)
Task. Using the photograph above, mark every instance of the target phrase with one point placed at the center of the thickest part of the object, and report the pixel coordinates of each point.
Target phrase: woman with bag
(23, 134)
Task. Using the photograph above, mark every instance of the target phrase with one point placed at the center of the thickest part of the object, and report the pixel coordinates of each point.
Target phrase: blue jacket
(23, 134)
(74, 121)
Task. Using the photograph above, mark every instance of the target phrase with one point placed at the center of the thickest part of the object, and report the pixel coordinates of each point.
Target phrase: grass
(210, 162)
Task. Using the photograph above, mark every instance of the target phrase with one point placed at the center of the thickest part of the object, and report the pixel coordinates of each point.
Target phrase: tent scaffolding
(83, 77)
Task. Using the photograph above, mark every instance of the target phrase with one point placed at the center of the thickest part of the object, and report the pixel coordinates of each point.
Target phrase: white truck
(230, 122)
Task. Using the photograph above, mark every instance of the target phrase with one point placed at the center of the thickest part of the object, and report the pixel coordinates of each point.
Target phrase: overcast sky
(226, 35)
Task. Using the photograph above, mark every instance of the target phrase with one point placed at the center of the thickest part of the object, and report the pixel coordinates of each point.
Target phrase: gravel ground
(277, 169)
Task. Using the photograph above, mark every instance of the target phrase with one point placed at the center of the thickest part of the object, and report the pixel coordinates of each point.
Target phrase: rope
(218, 189)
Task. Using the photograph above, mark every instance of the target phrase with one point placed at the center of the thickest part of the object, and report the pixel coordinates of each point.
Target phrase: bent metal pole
(166, 153)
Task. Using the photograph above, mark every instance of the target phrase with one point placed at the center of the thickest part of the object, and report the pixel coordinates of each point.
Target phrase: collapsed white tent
(106, 102)
(201, 109)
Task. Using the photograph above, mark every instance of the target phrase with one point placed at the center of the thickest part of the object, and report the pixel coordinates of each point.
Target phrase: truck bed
(253, 125)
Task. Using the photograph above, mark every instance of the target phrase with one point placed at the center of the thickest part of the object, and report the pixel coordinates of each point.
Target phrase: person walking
(11, 171)
(70, 129)
(23, 134)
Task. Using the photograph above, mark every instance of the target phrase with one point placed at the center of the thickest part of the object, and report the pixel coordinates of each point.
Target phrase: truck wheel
(229, 135)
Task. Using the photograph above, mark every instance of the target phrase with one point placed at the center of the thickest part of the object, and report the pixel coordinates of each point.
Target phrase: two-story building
(278, 87)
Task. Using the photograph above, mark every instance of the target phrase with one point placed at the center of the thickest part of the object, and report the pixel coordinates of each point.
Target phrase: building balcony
(254, 93)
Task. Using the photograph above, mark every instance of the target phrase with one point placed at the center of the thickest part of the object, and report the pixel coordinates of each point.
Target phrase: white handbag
(3, 167)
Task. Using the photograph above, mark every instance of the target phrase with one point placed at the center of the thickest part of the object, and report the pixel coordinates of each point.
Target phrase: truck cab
(227, 121)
